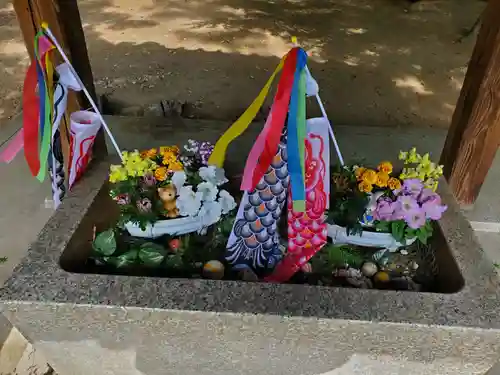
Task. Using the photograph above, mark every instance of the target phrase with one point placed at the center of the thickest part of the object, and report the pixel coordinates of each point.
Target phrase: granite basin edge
(39, 278)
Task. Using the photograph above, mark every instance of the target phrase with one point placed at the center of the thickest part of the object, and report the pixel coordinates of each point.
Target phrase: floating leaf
(174, 261)
(105, 243)
(126, 259)
(151, 254)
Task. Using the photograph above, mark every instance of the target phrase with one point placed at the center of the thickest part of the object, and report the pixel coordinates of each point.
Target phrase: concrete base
(82, 340)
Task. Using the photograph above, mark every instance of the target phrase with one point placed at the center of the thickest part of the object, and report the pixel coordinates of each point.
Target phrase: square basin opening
(435, 260)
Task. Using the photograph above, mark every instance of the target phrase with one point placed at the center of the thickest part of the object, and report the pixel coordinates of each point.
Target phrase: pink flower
(384, 210)
(427, 195)
(122, 199)
(144, 205)
(415, 218)
(149, 179)
(412, 186)
(433, 210)
(398, 212)
(407, 203)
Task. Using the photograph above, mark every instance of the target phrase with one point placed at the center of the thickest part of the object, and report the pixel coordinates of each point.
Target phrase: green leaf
(105, 243)
(423, 235)
(151, 254)
(382, 226)
(174, 261)
(410, 233)
(126, 259)
(398, 230)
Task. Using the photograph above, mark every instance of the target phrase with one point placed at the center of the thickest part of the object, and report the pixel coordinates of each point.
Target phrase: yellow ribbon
(239, 126)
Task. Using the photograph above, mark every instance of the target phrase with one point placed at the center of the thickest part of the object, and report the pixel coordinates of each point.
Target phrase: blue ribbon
(297, 178)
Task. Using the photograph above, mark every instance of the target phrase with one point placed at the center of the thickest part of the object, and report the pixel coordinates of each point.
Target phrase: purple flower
(122, 199)
(412, 186)
(204, 152)
(433, 210)
(144, 205)
(407, 203)
(398, 212)
(415, 218)
(149, 180)
(384, 210)
(427, 195)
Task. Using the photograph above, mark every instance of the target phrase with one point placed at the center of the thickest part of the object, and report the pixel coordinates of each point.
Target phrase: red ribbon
(31, 114)
(280, 110)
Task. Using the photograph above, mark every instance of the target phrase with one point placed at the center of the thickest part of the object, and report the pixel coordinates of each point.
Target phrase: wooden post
(474, 134)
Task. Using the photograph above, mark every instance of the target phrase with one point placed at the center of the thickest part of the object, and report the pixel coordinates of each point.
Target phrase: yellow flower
(382, 179)
(175, 166)
(151, 153)
(161, 174)
(394, 183)
(135, 165)
(365, 187)
(117, 174)
(169, 149)
(413, 157)
(369, 176)
(359, 171)
(385, 166)
(425, 160)
(169, 157)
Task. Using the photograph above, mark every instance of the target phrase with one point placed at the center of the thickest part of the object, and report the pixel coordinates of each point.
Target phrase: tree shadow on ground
(13, 61)
(378, 62)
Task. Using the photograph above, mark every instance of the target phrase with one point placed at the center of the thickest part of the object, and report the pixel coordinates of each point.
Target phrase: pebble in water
(381, 277)
(213, 270)
(369, 269)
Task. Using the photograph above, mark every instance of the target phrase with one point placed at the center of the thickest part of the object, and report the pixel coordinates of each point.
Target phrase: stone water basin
(437, 265)
(75, 317)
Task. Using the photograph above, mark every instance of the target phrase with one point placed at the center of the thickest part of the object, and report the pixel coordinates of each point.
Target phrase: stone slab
(141, 325)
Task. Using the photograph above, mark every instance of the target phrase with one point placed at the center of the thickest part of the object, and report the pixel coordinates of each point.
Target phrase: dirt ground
(378, 62)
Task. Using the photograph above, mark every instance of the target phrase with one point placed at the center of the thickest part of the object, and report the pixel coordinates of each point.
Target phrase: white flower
(179, 179)
(226, 201)
(208, 191)
(210, 213)
(188, 201)
(213, 174)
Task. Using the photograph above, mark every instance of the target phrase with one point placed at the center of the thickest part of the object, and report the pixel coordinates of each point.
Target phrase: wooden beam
(474, 134)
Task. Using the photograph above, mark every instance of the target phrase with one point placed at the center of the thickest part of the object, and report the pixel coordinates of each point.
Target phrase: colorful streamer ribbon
(219, 154)
(31, 114)
(297, 134)
(280, 110)
(45, 73)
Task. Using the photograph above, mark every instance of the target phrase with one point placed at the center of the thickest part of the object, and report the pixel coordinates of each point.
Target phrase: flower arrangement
(405, 206)
(168, 183)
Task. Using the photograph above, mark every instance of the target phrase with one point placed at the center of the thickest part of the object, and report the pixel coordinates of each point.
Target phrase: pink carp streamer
(307, 231)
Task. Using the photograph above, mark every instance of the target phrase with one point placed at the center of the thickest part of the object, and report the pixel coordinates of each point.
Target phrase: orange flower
(369, 176)
(169, 149)
(394, 183)
(168, 158)
(149, 154)
(382, 179)
(365, 187)
(385, 166)
(175, 166)
(359, 172)
(161, 174)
